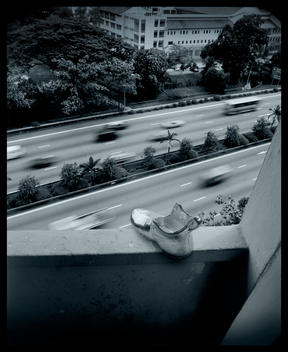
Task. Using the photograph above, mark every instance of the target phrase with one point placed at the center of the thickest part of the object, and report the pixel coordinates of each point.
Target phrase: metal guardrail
(130, 177)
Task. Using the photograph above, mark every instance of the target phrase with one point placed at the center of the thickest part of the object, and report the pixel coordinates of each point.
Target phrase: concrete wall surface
(113, 286)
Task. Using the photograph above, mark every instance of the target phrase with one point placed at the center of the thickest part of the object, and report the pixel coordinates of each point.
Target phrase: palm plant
(90, 168)
(170, 138)
(275, 115)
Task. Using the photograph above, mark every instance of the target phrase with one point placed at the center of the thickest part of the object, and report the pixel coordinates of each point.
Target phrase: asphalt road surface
(157, 192)
(75, 143)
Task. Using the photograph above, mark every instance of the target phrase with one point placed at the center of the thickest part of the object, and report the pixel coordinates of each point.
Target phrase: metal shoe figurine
(172, 232)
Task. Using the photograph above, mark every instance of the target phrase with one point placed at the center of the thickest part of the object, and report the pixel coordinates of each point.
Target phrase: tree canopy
(238, 46)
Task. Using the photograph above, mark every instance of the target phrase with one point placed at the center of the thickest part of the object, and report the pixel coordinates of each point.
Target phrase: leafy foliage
(230, 213)
(211, 143)
(91, 170)
(186, 150)
(111, 171)
(238, 46)
(275, 115)
(232, 138)
(71, 176)
(28, 189)
(261, 129)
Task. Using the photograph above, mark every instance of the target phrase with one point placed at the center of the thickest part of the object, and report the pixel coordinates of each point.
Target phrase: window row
(161, 34)
(274, 39)
(159, 22)
(136, 25)
(113, 25)
(158, 44)
(136, 38)
(194, 41)
(196, 31)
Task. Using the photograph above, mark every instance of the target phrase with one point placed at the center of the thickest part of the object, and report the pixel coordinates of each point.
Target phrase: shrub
(251, 137)
(28, 189)
(186, 150)
(261, 129)
(194, 101)
(182, 103)
(211, 143)
(71, 175)
(214, 80)
(175, 105)
(43, 193)
(232, 137)
(120, 172)
(243, 139)
(131, 112)
(156, 164)
(175, 158)
(35, 124)
(217, 97)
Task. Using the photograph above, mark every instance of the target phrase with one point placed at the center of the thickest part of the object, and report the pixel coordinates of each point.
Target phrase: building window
(156, 23)
(107, 23)
(142, 47)
(136, 25)
(170, 43)
(182, 41)
(197, 41)
(136, 38)
(119, 27)
(112, 25)
(142, 39)
(118, 36)
(162, 23)
(154, 44)
(161, 34)
(174, 32)
(142, 26)
(178, 41)
(194, 41)
(160, 44)
(186, 41)
(155, 34)
(190, 41)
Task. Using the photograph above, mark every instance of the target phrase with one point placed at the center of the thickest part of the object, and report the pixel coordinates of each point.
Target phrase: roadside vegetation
(75, 177)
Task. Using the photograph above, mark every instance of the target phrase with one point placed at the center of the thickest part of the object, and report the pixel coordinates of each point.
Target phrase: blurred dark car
(106, 135)
(216, 175)
(43, 161)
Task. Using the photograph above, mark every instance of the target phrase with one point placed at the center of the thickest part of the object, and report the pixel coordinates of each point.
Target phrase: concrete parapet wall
(108, 286)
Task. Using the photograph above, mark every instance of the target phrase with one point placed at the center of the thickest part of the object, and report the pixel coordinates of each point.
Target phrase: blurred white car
(117, 125)
(121, 157)
(216, 175)
(158, 137)
(15, 151)
(173, 124)
(88, 221)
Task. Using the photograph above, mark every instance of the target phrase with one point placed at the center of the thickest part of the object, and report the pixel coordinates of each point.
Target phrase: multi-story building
(191, 27)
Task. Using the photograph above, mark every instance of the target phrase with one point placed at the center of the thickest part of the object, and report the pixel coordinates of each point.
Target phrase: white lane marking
(185, 184)
(131, 182)
(50, 168)
(115, 206)
(129, 120)
(196, 200)
(208, 121)
(156, 123)
(122, 227)
(219, 129)
(44, 146)
(199, 115)
(110, 142)
(120, 151)
(239, 167)
(263, 152)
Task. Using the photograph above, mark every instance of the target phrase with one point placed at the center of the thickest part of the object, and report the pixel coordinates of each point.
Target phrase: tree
(170, 138)
(90, 169)
(238, 47)
(27, 189)
(275, 115)
(211, 143)
(186, 150)
(151, 66)
(149, 155)
(214, 80)
(71, 176)
(111, 171)
(232, 138)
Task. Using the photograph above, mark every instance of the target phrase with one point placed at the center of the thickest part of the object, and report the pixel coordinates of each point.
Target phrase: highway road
(157, 192)
(75, 143)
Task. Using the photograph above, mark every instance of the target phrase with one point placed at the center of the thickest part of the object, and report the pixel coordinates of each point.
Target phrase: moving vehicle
(159, 137)
(120, 157)
(15, 152)
(87, 221)
(118, 125)
(173, 124)
(43, 161)
(236, 106)
(106, 135)
(216, 175)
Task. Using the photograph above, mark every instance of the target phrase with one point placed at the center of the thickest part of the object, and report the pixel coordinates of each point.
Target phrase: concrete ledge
(46, 248)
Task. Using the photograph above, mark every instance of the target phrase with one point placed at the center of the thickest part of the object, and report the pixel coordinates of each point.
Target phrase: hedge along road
(157, 192)
(77, 144)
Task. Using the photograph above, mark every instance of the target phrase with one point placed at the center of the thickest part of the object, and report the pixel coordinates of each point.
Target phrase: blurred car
(88, 221)
(119, 125)
(106, 134)
(173, 124)
(15, 152)
(43, 161)
(216, 175)
(158, 137)
(122, 157)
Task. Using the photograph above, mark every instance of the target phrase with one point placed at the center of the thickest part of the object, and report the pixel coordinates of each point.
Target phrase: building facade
(190, 27)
